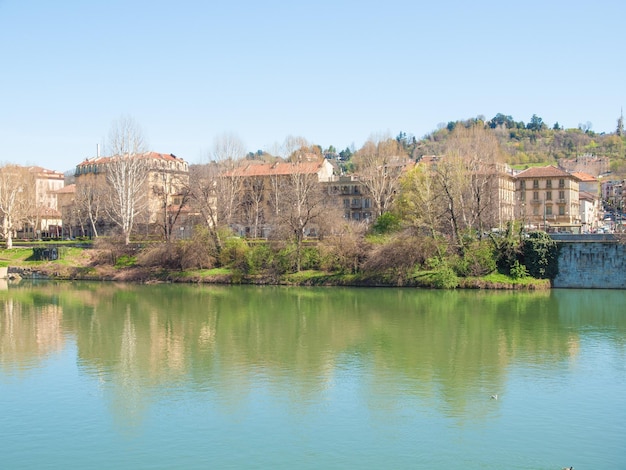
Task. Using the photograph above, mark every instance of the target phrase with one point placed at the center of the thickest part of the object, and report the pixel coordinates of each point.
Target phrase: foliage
(478, 259)
(125, 261)
(507, 247)
(518, 270)
(540, 255)
(442, 275)
(235, 253)
(387, 222)
(260, 258)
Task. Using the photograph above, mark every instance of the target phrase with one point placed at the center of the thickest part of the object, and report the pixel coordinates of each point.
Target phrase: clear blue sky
(332, 71)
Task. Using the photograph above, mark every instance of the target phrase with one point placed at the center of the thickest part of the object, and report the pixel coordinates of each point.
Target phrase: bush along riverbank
(393, 262)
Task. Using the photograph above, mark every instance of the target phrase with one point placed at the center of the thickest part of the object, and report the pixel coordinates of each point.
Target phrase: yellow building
(549, 199)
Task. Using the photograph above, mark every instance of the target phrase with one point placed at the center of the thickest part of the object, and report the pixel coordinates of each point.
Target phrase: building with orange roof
(168, 175)
(549, 198)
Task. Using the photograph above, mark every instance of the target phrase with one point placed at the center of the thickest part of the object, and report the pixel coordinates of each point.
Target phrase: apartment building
(167, 175)
(549, 199)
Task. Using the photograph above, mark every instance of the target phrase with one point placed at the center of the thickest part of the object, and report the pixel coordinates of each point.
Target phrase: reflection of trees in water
(28, 333)
(448, 347)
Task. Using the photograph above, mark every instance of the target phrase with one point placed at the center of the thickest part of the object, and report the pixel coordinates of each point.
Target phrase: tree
(127, 174)
(536, 123)
(379, 165)
(302, 201)
(171, 187)
(253, 202)
(90, 199)
(203, 185)
(16, 184)
(228, 152)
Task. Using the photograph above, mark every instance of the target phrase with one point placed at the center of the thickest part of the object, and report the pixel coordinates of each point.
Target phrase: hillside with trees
(531, 143)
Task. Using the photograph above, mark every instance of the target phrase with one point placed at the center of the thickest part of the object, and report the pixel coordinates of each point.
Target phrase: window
(561, 210)
(561, 183)
(367, 203)
(536, 184)
(346, 203)
(522, 196)
(562, 195)
(535, 195)
(548, 195)
(522, 185)
(548, 183)
(548, 210)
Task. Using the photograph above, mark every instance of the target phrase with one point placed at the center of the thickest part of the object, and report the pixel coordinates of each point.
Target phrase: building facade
(549, 199)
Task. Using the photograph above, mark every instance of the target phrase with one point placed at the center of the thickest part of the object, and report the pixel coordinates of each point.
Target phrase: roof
(549, 171)
(585, 177)
(277, 169)
(44, 172)
(153, 155)
(69, 189)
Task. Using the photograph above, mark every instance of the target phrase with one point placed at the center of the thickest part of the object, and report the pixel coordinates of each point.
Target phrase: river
(104, 375)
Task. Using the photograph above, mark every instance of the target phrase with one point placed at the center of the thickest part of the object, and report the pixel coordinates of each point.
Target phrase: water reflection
(446, 349)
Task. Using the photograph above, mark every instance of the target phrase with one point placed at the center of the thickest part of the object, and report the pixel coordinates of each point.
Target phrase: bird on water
(494, 397)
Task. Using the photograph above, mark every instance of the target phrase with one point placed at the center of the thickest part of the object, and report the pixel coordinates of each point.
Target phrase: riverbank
(92, 265)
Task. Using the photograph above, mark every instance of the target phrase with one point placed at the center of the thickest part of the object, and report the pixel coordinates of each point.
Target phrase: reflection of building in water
(28, 333)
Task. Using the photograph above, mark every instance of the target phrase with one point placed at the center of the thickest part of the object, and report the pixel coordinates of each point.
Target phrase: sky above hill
(335, 72)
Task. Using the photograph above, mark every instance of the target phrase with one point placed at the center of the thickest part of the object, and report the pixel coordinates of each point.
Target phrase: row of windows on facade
(536, 184)
(357, 202)
(548, 211)
(548, 196)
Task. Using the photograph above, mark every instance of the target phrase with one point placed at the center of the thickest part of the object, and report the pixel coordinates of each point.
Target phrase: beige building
(351, 197)
(549, 199)
(166, 178)
(262, 189)
(44, 218)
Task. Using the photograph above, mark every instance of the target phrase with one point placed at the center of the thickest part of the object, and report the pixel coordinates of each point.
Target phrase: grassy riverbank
(75, 263)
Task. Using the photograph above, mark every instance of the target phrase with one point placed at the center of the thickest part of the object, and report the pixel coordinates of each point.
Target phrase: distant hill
(534, 143)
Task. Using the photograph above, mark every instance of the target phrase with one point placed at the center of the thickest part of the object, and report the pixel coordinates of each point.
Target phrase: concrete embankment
(591, 262)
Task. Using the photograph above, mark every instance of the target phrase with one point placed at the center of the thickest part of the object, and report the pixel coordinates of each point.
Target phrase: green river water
(102, 375)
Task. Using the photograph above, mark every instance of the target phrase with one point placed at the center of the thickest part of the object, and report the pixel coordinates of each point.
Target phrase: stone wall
(591, 264)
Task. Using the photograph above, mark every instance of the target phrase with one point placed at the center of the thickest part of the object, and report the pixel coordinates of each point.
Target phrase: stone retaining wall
(591, 264)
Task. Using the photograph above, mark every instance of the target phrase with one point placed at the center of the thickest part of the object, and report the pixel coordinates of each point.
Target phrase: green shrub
(479, 259)
(234, 253)
(310, 258)
(518, 270)
(540, 255)
(443, 276)
(260, 258)
(386, 223)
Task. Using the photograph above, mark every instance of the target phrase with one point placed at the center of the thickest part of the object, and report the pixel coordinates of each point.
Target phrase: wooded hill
(532, 143)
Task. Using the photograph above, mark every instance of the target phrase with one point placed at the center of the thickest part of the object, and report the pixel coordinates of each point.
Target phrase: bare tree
(228, 151)
(302, 204)
(253, 203)
(127, 173)
(90, 200)
(16, 183)
(203, 185)
(379, 165)
(172, 190)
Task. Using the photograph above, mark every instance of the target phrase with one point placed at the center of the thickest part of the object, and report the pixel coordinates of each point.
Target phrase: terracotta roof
(276, 169)
(549, 171)
(153, 155)
(43, 171)
(585, 177)
(69, 189)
